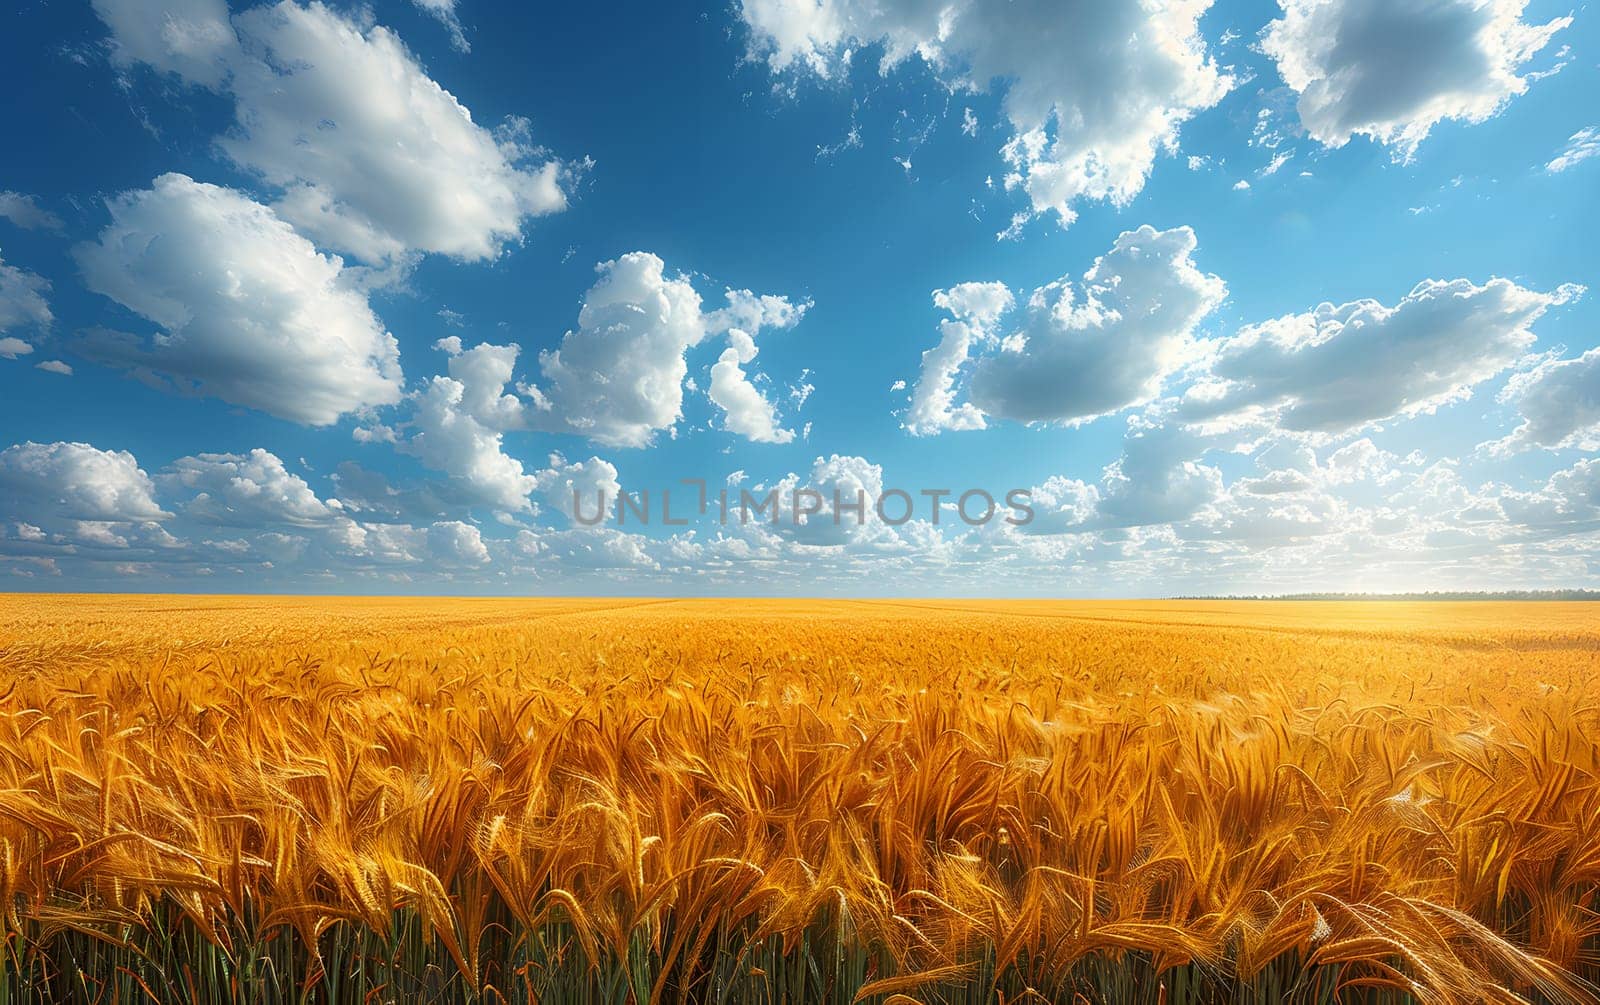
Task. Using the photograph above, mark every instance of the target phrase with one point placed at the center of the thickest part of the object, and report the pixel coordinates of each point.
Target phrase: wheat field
(236, 799)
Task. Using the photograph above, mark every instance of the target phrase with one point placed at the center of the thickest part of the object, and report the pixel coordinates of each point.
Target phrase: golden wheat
(262, 799)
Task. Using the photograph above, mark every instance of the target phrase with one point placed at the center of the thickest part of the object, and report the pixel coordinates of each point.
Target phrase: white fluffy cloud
(975, 309)
(457, 543)
(1093, 92)
(190, 38)
(1159, 478)
(586, 550)
(1560, 404)
(1356, 461)
(591, 487)
(244, 514)
(618, 378)
(248, 310)
(1259, 522)
(851, 480)
(1392, 69)
(460, 421)
(246, 490)
(1159, 522)
(75, 481)
(746, 411)
(22, 303)
(1162, 478)
(1082, 350)
(855, 524)
(448, 546)
(1299, 489)
(371, 155)
(1338, 368)
(753, 312)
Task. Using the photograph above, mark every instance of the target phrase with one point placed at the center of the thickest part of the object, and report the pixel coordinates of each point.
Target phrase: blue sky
(1245, 297)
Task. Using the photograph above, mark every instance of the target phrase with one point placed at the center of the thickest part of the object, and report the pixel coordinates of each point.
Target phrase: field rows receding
(284, 799)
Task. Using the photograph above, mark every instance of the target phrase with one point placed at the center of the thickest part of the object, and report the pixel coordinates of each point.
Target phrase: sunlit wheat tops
(362, 801)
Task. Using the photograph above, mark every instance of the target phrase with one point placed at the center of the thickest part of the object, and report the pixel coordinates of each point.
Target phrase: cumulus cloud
(1262, 521)
(1392, 69)
(1338, 368)
(22, 304)
(454, 436)
(1092, 92)
(25, 212)
(1361, 518)
(845, 491)
(580, 488)
(75, 481)
(191, 38)
(246, 490)
(371, 155)
(483, 372)
(94, 512)
(95, 509)
(1290, 466)
(447, 547)
(459, 420)
(745, 410)
(752, 312)
(402, 165)
(248, 310)
(1082, 350)
(584, 550)
(618, 378)
(1159, 477)
(457, 543)
(975, 309)
(1559, 400)
(1158, 522)
(1062, 505)
(1357, 461)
